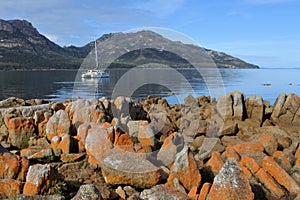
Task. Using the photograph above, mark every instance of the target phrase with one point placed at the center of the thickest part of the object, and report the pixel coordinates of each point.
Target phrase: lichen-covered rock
(184, 170)
(280, 175)
(19, 129)
(58, 124)
(85, 111)
(9, 188)
(230, 183)
(269, 143)
(204, 191)
(171, 146)
(9, 166)
(38, 178)
(97, 143)
(73, 157)
(122, 167)
(247, 148)
(13, 166)
(88, 192)
(213, 165)
(146, 134)
(261, 175)
(162, 192)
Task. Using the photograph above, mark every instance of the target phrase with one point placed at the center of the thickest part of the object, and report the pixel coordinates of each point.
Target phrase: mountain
(23, 47)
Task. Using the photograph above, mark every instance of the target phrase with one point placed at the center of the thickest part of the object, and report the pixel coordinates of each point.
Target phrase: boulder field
(231, 148)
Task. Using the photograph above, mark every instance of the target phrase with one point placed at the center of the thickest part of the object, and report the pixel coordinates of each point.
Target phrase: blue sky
(263, 32)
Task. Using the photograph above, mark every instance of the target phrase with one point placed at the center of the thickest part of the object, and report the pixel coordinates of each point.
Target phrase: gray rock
(11, 102)
(161, 192)
(58, 124)
(97, 143)
(229, 128)
(190, 101)
(255, 109)
(238, 105)
(277, 110)
(207, 147)
(231, 106)
(87, 192)
(172, 145)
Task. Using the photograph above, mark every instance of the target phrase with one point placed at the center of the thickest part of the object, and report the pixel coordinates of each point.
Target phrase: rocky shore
(235, 147)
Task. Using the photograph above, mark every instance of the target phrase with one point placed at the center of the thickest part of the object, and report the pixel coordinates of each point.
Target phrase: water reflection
(59, 85)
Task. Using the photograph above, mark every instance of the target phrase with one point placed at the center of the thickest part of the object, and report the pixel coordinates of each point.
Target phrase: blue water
(174, 86)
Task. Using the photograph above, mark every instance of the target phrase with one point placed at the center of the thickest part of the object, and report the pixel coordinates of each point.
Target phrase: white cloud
(61, 20)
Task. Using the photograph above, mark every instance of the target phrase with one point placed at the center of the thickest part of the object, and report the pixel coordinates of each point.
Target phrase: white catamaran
(95, 73)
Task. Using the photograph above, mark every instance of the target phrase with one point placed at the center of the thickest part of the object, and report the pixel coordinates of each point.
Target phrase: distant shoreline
(118, 68)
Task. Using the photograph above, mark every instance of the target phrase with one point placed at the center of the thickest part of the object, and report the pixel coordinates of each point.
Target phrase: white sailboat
(95, 73)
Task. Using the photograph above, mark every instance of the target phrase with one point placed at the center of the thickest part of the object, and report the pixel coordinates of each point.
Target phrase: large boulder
(122, 167)
(85, 111)
(231, 183)
(232, 106)
(97, 143)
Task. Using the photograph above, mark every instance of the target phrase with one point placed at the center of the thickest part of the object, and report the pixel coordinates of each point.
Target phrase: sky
(262, 32)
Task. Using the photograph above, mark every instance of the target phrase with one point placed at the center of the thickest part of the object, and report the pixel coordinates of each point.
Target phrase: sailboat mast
(96, 54)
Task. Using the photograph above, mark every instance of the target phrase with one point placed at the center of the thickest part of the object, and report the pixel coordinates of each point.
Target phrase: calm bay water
(61, 85)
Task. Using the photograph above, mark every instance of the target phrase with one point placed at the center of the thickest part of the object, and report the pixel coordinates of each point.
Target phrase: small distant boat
(95, 73)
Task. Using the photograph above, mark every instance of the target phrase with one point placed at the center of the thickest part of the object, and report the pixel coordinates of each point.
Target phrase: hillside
(23, 47)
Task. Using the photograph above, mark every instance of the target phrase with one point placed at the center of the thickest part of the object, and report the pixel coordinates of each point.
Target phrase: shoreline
(117, 68)
(182, 150)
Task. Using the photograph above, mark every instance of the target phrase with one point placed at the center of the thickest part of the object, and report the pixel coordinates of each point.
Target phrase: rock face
(230, 183)
(121, 167)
